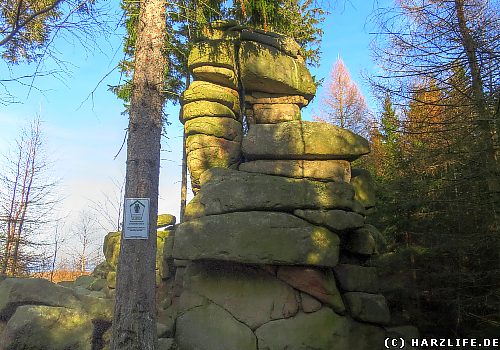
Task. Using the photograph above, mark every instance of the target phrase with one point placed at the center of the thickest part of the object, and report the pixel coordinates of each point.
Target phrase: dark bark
(134, 323)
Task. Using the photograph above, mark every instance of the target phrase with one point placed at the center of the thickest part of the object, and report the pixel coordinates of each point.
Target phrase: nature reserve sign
(136, 218)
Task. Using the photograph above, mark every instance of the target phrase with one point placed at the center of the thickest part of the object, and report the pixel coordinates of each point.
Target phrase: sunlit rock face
(274, 245)
(274, 251)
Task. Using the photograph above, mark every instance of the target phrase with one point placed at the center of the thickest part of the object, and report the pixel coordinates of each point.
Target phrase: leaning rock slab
(331, 170)
(264, 68)
(212, 328)
(251, 295)
(368, 307)
(256, 238)
(335, 220)
(225, 191)
(303, 140)
(45, 327)
(315, 282)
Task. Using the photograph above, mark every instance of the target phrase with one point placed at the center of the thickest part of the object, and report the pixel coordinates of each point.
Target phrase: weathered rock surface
(251, 295)
(219, 53)
(205, 91)
(165, 220)
(45, 327)
(331, 170)
(271, 98)
(285, 44)
(318, 330)
(226, 128)
(275, 113)
(360, 241)
(205, 152)
(225, 190)
(218, 75)
(319, 284)
(364, 187)
(321, 330)
(354, 278)
(33, 291)
(111, 248)
(335, 220)
(198, 109)
(303, 140)
(265, 68)
(309, 304)
(212, 328)
(256, 238)
(368, 307)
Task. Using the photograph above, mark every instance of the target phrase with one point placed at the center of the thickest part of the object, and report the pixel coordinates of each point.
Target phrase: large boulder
(251, 295)
(256, 238)
(225, 128)
(331, 170)
(44, 327)
(360, 241)
(225, 191)
(267, 69)
(303, 140)
(285, 44)
(205, 91)
(33, 291)
(257, 97)
(212, 328)
(335, 220)
(219, 53)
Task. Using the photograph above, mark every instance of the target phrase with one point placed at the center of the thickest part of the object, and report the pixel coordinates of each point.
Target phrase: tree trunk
(485, 119)
(134, 323)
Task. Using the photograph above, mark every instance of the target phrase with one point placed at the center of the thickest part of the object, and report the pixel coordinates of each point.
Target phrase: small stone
(309, 304)
(165, 220)
(359, 241)
(315, 282)
(368, 307)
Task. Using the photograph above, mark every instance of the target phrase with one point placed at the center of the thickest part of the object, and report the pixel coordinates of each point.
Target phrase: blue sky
(83, 135)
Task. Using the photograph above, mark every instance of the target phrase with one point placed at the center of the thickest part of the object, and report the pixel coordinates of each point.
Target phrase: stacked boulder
(275, 255)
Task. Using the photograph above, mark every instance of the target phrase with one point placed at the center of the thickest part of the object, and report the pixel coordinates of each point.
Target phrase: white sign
(136, 218)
